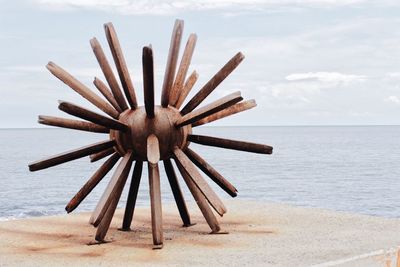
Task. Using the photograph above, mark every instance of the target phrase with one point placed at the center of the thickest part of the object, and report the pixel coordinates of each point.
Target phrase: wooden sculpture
(150, 133)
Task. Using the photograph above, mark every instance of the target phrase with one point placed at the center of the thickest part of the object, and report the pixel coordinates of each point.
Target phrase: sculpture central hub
(141, 126)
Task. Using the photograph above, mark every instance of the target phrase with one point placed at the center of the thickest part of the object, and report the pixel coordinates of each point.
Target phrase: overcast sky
(308, 62)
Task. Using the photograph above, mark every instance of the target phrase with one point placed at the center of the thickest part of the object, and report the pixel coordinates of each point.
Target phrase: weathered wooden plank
(148, 80)
(190, 81)
(102, 154)
(105, 91)
(72, 124)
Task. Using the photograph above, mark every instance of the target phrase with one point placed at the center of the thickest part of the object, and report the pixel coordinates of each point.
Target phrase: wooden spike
(94, 117)
(209, 109)
(230, 144)
(153, 156)
(239, 107)
(102, 154)
(213, 83)
(171, 62)
(70, 155)
(116, 183)
(194, 174)
(176, 190)
(182, 70)
(120, 63)
(92, 183)
(186, 88)
(72, 124)
(211, 172)
(132, 196)
(105, 91)
(108, 73)
(81, 89)
(200, 200)
(105, 223)
(148, 80)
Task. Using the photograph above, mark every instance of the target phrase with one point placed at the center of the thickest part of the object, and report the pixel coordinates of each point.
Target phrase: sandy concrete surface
(259, 235)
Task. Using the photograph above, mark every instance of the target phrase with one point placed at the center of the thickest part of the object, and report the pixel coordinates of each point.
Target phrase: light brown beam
(120, 63)
(108, 73)
(194, 174)
(105, 91)
(177, 192)
(132, 196)
(94, 117)
(209, 109)
(72, 124)
(148, 80)
(70, 155)
(177, 87)
(81, 89)
(200, 200)
(171, 62)
(213, 83)
(105, 223)
(190, 81)
(230, 144)
(153, 156)
(239, 107)
(102, 154)
(92, 183)
(211, 172)
(117, 180)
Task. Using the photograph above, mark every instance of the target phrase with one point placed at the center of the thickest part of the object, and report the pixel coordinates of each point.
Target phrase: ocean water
(353, 169)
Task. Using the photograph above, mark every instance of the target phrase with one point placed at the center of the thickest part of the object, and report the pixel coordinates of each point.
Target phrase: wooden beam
(239, 107)
(120, 63)
(105, 223)
(92, 183)
(190, 81)
(153, 156)
(211, 172)
(209, 109)
(102, 154)
(108, 73)
(148, 80)
(194, 174)
(132, 196)
(81, 89)
(176, 190)
(230, 144)
(171, 62)
(213, 83)
(177, 87)
(105, 91)
(70, 155)
(72, 124)
(94, 117)
(200, 200)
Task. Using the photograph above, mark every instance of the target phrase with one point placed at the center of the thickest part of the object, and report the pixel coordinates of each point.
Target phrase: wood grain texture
(181, 159)
(94, 117)
(213, 83)
(92, 182)
(211, 172)
(81, 89)
(148, 80)
(73, 124)
(177, 87)
(171, 62)
(189, 83)
(238, 107)
(132, 196)
(209, 109)
(230, 144)
(70, 155)
(177, 192)
(102, 154)
(108, 73)
(105, 91)
(120, 64)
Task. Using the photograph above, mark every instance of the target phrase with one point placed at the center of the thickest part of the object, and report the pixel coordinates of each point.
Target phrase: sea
(343, 168)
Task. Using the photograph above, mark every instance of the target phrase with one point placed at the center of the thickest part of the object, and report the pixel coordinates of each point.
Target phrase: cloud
(393, 99)
(330, 77)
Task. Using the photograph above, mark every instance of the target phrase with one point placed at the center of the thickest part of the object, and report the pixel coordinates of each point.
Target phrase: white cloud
(330, 77)
(393, 99)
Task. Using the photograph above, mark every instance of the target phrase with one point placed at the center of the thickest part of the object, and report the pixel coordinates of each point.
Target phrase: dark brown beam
(102, 154)
(105, 91)
(73, 124)
(148, 80)
(105, 223)
(70, 155)
(189, 83)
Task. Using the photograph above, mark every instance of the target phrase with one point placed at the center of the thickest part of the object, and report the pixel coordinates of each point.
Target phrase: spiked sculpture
(150, 133)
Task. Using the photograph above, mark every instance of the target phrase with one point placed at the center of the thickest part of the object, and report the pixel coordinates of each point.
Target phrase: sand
(259, 235)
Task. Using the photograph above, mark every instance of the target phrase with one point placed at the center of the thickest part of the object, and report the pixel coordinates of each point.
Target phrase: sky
(307, 62)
